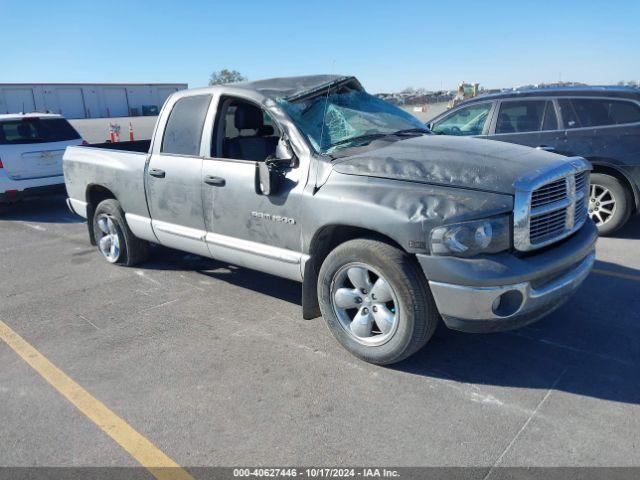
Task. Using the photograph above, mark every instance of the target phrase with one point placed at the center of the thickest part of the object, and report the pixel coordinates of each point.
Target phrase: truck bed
(116, 167)
(141, 146)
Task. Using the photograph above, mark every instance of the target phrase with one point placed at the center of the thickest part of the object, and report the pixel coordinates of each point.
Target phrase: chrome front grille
(551, 207)
(582, 179)
(547, 226)
(581, 208)
(552, 192)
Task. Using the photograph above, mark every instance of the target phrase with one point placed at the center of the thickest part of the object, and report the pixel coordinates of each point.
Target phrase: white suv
(31, 149)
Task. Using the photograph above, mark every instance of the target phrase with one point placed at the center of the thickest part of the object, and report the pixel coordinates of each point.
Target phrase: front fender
(403, 211)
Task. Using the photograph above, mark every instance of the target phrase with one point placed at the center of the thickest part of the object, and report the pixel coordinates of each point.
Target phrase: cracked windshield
(349, 118)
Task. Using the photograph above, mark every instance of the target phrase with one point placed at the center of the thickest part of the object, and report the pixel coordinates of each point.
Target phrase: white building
(86, 100)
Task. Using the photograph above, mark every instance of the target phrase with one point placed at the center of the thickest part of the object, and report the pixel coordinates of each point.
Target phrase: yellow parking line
(141, 449)
(626, 276)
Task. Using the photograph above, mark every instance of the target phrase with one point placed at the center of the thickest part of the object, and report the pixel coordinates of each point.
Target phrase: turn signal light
(1, 166)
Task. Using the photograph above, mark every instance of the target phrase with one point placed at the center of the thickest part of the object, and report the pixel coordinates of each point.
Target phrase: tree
(226, 76)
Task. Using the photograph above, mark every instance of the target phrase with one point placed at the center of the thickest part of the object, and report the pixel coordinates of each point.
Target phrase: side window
(569, 117)
(244, 132)
(593, 112)
(624, 112)
(550, 121)
(521, 116)
(183, 132)
(466, 121)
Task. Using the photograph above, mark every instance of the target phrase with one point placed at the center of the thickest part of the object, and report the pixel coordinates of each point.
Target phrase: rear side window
(594, 112)
(569, 116)
(521, 116)
(624, 112)
(36, 130)
(184, 128)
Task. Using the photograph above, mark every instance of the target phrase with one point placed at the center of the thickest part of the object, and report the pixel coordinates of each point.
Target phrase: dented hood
(478, 164)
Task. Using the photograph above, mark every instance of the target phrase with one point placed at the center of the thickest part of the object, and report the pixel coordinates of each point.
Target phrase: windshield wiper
(373, 136)
(412, 131)
(359, 138)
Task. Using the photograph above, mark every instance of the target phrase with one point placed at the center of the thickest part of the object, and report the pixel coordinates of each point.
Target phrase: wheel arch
(95, 194)
(608, 169)
(326, 239)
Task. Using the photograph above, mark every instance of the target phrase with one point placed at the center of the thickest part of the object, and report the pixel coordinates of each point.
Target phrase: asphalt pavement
(214, 365)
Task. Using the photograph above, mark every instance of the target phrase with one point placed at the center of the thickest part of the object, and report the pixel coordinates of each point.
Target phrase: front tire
(609, 203)
(115, 241)
(376, 301)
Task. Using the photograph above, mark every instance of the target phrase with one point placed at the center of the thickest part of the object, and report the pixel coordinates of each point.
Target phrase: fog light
(508, 303)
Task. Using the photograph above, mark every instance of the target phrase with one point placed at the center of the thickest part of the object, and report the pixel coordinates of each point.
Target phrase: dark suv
(601, 124)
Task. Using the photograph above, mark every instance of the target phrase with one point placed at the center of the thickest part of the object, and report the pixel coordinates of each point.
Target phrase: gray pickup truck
(388, 227)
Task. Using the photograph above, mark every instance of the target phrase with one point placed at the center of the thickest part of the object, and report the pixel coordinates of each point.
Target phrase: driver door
(245, 227)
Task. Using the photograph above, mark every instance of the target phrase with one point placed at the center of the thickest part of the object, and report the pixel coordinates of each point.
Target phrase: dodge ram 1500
(388, 227)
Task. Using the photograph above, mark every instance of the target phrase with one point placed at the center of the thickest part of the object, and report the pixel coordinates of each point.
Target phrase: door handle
(215, 181)
(156, 172)
(546, 148)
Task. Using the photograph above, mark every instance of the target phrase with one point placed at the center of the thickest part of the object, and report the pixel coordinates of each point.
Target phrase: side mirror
(268, 178)
(284, 153)
(429, 125)
(270, 174)
(263, 178)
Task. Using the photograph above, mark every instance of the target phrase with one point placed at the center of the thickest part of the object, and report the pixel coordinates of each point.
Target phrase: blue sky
(388, 45)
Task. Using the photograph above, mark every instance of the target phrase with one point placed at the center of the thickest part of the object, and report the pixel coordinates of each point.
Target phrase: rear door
(530, 122)
(601, 128)
(32, 147)
(174, 175)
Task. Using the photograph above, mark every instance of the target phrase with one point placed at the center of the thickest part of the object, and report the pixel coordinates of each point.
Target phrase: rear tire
(376, 301)
(113, 237)
(609, 203)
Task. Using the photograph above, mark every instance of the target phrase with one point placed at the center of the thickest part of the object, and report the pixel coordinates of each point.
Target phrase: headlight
(471, 238)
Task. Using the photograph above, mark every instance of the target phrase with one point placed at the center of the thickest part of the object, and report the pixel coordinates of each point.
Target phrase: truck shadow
(52, 209)
(630, 231)
(163, 258)
(588, 347)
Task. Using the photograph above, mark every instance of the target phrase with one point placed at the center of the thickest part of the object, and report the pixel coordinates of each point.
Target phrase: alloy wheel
(602, 204)
(365, 304)
(109, 242)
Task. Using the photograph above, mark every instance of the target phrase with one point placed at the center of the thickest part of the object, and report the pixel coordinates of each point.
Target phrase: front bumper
(501, 292)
